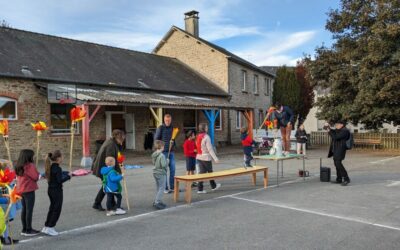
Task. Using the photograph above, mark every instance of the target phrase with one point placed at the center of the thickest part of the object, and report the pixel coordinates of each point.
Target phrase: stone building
(41, 74)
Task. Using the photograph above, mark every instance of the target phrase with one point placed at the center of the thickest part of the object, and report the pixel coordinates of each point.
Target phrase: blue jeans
(171, 170)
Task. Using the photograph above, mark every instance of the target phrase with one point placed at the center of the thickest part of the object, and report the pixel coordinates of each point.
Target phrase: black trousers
(341, 172)
(111, 201)
(28, 202)
(205, 167)
(100, 196)
(56, 201)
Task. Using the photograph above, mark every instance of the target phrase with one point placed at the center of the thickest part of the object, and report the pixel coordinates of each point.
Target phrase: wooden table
(189, 179)
(280, 159)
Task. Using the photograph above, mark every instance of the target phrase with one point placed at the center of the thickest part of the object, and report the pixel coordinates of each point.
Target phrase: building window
(8, 109)
(269, 90)
(238, 120)
(61, 119)
(260, 117)
(218, 121)
(255, 87)
(268, 83)
(189, 119)
(244, 80)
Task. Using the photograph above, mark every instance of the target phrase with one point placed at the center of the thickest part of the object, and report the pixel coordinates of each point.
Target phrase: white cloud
(274, 48)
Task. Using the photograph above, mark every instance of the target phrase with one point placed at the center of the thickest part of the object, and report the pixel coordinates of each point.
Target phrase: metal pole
(277, 173)
(304, 170)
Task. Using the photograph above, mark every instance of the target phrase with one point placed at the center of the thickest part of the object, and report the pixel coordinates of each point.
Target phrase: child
(55, 178)
(159, 173)
(27, 177)
(301, 138)
(189, 150)
(112, 187)
(247, 143)
(205, 152)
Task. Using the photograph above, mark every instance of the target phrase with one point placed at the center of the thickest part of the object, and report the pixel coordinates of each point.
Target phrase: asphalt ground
(295, 215)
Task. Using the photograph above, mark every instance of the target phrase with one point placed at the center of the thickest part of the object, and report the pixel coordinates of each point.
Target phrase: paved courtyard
(295, 215)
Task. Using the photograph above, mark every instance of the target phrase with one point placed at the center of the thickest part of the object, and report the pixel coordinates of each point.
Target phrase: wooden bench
(189, 179)
(373, 142)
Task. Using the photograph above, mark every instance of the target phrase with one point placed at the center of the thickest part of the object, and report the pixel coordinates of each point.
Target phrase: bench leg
(188, 194)
(265, 178)
(176, 191)
(254, 178)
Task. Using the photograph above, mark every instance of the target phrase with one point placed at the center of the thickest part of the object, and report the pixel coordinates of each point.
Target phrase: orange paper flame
(4, 127)
(77, 114)
(121, 158)
(39, 126)
(13, 195)
(6, 177)
(175, 132)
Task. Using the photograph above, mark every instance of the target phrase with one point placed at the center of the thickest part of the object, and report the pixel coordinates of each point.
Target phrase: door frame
(109, 121)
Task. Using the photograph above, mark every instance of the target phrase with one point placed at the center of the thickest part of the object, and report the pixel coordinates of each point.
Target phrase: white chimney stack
(192, 23)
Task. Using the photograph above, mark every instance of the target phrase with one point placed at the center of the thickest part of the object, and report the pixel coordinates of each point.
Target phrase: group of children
(26, 185)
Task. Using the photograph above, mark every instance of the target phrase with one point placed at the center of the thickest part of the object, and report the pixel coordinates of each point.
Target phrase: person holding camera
(338, 150)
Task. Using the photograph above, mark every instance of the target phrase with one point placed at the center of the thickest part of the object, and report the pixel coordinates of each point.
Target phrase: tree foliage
(293, 89)
(361, 69)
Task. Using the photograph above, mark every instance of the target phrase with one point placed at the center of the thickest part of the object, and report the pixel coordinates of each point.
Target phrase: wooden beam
(157, 115)
(94, 113)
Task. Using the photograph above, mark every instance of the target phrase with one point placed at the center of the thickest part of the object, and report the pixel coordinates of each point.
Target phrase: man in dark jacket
(338, 150)
(164, 133)
(285, 118)
(110, 147)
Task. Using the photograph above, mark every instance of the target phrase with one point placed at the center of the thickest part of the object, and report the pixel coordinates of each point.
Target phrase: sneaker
(346, 182)
(44, 230)
(166, 191)
(159, 206)
(216, 187)
(98, 207)
(110, 213)
(8, 241)
(23, 232)
(51, 231)
(120, 211)
(202, 192)
(30, 233)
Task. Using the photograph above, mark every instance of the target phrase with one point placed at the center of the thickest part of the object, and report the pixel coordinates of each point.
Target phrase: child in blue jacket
(112, 187)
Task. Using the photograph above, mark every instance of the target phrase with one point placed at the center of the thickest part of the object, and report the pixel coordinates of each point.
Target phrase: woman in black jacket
(338, 150)
(110, 147)
(301, 139)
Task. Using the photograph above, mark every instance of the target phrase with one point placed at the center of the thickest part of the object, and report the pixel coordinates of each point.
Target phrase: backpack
(350, 142)
(105, 178)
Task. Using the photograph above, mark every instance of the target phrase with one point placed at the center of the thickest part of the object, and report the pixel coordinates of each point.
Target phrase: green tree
(287, 89)
(306, 98)
(361, 70)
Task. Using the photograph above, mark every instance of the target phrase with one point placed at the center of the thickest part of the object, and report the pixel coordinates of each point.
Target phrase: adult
(164, 133)
(205, 153)
(110, 148)
(285, 117)
(338, 150)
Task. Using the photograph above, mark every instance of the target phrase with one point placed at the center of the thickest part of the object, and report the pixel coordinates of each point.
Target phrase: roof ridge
(80, 41)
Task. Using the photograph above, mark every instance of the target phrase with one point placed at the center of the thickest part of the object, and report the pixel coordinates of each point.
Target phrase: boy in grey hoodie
(159, 173)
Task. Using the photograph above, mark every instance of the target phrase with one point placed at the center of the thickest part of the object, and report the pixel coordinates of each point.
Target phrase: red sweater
(189, 147)
(28, 181)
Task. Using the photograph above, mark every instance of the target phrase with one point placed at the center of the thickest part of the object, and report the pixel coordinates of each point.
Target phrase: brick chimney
(192, 23)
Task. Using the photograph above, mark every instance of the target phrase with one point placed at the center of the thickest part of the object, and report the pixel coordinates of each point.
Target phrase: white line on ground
(135, 217)
(316, 213)
(384, 160)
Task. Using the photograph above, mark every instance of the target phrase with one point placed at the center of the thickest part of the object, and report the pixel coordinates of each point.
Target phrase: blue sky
(269, 32)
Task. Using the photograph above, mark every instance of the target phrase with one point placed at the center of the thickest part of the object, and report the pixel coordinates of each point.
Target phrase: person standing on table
(338, 150)
(110, 148)
(285, 117)
(164, 133)
(205, 153)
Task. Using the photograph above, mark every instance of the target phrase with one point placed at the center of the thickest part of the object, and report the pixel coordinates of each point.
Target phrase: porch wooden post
(86, 161)
(249, 115)
(157, 114)
(211, 116)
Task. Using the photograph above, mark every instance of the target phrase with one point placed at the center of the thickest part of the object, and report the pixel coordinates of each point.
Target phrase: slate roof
(31, 55)
(229, 54)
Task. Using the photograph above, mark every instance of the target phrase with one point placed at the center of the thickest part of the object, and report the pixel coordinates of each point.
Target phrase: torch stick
(72, 146)
(38, 133)
(125, 187)
(6, 143)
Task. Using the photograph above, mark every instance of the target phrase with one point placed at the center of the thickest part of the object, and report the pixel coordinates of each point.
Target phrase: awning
(119, 96)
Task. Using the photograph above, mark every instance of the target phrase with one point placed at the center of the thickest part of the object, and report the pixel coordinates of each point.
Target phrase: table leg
(254, 179)
(282, 169)
(304, 169)
(277, 173)
(176, 191)
(265, 178)
(188, 194)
